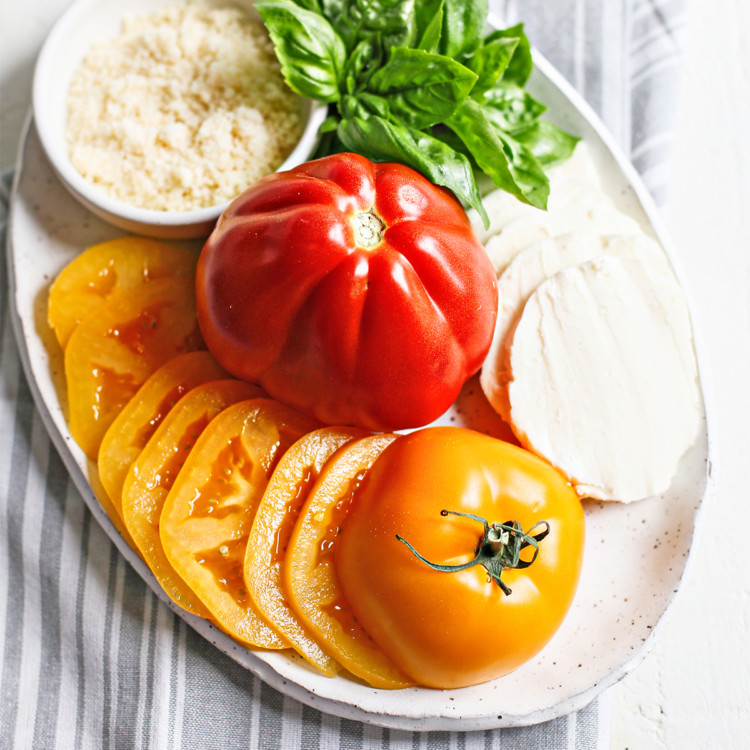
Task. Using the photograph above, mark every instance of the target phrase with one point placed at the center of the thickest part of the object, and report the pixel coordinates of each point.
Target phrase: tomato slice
(309, 570)
(153, 473)
(137, 422)
(113, 511)
(208, 513)
(105, 269)
(274, 521)
(116, 348)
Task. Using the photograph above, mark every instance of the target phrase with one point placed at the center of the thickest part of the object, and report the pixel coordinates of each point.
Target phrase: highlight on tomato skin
(355, 291)
(433, 488)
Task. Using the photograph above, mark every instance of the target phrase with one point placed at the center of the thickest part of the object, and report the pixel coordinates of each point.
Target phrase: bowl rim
(94, 198)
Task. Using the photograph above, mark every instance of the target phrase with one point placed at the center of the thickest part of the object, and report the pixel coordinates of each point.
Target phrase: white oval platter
(635, 556)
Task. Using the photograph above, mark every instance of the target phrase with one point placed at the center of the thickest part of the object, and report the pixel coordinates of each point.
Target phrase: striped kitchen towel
(625, 58)
(89, 657)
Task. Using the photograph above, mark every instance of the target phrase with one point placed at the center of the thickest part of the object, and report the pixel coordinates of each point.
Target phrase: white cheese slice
(604, 381)
(574, 176)
(580, 167)
(530, 268)
(588, 210)
(501, 208)
(504, 209)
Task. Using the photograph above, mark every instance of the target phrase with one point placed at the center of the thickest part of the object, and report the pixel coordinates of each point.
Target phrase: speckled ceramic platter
(635, 555)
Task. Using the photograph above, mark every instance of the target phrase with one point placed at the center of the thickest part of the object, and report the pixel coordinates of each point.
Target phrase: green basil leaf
(311, 53)
(527, 172)
(422, 88)
(547, 142)
(372, 104)
(430, 27)
(447, 136)
(380, 140)
(364, 59)
(333, 10)
(464, 23)
(349, 106)
(489, 62)
(337, 12)
(393, 22)
(329, 125)
(510, 166)
(364, 105)
(521, 64)
(328, 144)
(312, 5)
(424, 13)
(511, 108)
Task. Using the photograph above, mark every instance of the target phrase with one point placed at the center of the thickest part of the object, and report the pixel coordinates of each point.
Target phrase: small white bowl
(82, 25)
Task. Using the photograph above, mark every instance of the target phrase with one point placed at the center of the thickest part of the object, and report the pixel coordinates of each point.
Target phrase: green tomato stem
(498, 548)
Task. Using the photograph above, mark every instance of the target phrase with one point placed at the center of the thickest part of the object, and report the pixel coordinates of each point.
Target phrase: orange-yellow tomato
(137, 422)
(107, 268)
(308, 570)
(153, 473)
(451, 629)
(274, 521)
(207, 515)
(115, 349)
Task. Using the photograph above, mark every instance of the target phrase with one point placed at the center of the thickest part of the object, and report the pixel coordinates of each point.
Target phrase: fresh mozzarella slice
(573, 176)
(530, 268)
(504, 209)
(604, 381)
(501, 208)
(588, 211)
(580, 167)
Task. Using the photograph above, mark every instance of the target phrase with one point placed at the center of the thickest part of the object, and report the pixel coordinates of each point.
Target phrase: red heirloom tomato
(460, 555)
(353, 290)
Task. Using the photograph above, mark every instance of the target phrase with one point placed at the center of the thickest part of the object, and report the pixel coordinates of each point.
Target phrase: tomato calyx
(498, 548)
(368, 229)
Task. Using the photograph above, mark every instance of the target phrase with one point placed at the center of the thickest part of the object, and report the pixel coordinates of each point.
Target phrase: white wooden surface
(693, 689)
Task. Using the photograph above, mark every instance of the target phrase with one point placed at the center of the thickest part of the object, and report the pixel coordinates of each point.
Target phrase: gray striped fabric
(624, 57)
(88, 656)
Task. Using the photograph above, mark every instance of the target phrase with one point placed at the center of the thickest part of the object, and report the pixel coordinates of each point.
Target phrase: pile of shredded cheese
(183, 110)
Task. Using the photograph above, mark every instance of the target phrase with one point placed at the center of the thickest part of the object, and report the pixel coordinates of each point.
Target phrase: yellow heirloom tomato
(460, 555)
(116, 348)
(272, 527)
(107, 268)
(154, 471)
(137, 422)
(209, 511)
(309, 571)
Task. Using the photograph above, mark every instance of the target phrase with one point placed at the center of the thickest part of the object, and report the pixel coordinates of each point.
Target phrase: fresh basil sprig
(422, 83)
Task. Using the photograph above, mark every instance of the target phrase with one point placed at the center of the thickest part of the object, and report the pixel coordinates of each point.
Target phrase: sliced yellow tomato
(274, 521)
(113, 512)
(117, 347)
(153, 473)
(136, 423)
(309, 571)
(105, 269)
(208, 513)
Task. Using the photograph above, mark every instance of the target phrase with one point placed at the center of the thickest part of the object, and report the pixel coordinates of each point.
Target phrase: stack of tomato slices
(441, 557)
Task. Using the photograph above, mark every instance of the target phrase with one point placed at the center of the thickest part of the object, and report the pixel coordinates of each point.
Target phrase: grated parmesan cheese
(183, 110)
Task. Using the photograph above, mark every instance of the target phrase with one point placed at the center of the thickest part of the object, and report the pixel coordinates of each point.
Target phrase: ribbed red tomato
(356, 291)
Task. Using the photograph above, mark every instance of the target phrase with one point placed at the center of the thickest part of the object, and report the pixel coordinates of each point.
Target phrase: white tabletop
(693, 689)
